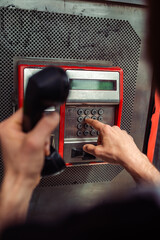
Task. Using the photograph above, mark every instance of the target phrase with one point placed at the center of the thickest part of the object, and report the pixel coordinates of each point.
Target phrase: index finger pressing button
(94, 123)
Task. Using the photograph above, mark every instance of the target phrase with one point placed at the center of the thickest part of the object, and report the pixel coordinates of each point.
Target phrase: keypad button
(94, 118)
(79, 133)
(87, 112)
(79, 126)
(80, 119)
(94, 133)
(100, 111)
(86, 132)
(100, 118)
(94, 111)
(80, 111)
(86, 117)
(86, 125)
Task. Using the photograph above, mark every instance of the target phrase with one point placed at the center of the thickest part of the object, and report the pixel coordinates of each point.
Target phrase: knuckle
(125, 132)
(96, 152)
(131, 137)
(115, 127)
(105, 129)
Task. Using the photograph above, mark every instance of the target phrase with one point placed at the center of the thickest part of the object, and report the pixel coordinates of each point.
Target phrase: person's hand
(23, 158)
(23, 153)
(116, 146)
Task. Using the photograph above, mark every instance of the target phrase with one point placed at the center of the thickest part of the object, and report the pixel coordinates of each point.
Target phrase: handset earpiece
(49, 87)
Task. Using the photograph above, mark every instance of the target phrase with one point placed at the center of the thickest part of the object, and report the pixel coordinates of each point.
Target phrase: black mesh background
(82, 174)
(26, 33)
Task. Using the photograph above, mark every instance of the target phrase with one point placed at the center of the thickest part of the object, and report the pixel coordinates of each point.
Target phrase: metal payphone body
(95, 92)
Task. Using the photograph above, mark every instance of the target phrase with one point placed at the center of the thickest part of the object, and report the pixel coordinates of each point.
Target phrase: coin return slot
(78, 152)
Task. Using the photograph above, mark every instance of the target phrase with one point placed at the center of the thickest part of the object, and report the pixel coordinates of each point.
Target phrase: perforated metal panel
(82, 174)
(26, 33)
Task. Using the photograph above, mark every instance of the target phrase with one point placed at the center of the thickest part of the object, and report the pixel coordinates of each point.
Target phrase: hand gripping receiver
(49, 87)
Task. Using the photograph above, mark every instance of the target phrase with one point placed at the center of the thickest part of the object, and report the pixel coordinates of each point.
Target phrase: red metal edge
(118, 113)
(154, 128)
(21, 68)
(113, 69)
(61, 130)
(20, 85)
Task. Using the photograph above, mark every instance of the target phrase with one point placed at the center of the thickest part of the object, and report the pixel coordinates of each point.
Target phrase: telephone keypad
(83, 128)
(78, 132)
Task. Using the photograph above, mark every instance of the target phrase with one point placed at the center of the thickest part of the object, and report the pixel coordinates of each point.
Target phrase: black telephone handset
(49, 87)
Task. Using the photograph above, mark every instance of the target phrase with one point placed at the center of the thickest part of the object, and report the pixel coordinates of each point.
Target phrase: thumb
(89, 148)
(45, 126)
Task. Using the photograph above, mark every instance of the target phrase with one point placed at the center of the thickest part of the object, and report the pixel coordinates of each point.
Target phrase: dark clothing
(136, 215)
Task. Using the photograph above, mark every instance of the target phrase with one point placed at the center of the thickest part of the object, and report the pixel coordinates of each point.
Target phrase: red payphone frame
(119, 107)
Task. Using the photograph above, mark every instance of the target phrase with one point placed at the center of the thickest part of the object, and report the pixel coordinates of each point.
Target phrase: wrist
(16, 188)
(20, 180)
(141, 169)
(15, 196)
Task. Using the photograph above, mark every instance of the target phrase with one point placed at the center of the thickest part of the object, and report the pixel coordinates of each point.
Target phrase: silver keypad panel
(78, 132)
(75, 126)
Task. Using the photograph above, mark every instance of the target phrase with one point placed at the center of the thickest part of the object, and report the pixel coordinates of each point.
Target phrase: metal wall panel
(137, 18)
(131, 18)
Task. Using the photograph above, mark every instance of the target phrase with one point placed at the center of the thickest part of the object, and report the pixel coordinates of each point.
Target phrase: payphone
(95, 92)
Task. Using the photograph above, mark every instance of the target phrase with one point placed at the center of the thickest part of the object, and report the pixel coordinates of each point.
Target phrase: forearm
(15, 195)
(142, 170)
(23, 159)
